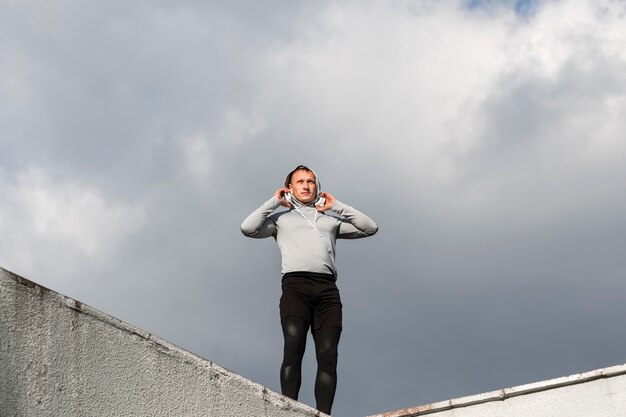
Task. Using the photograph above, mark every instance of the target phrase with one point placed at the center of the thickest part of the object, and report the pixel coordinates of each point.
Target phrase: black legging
(326, 341)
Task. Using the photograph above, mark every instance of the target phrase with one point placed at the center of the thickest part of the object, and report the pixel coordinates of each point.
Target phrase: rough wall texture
(59, 357)
(600, 393)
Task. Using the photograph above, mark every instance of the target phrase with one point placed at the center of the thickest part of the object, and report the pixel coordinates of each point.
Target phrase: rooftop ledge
(599, 393)
(504, 394)
(64, 357)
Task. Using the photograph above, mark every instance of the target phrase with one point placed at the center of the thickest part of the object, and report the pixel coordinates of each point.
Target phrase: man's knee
(327, 358)
(294, 333)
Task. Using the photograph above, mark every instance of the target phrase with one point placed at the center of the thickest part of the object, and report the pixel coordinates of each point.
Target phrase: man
(306, 235)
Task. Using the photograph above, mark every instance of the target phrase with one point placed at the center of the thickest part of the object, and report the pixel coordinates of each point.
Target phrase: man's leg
(326, 342)
(294, 332)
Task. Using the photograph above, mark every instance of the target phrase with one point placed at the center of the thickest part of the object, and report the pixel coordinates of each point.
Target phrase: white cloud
(60, 225)
(197, 157)
(236, 127)
(425, 92)
(382, 81)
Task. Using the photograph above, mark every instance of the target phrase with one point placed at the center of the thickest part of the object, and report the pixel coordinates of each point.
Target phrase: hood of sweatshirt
(318, 187)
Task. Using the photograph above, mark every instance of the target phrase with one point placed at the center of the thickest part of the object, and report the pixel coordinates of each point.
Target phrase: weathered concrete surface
(600, 393)
(59, 357)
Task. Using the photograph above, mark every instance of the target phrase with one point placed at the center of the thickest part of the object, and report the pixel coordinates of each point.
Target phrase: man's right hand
(280, 195)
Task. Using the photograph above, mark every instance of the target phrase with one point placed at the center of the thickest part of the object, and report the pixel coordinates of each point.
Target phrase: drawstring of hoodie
(296, 207)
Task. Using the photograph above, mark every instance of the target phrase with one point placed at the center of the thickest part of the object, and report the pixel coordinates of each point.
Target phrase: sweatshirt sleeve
(354, 224)
(258, 224)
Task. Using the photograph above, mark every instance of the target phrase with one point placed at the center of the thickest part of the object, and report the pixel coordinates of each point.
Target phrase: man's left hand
(328, 203)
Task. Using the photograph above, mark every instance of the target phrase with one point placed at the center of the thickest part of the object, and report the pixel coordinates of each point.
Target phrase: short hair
(298, 168)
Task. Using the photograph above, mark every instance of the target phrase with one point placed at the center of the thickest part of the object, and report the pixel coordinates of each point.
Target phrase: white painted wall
(600, 393)
(59, 357)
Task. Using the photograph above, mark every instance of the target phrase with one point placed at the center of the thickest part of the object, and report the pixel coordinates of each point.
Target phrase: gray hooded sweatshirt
(305, 237)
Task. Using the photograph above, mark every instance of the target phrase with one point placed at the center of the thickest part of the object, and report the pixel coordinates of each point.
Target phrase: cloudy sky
(486, 138)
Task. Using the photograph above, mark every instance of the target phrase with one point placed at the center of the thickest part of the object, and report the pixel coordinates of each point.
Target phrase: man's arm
(355, 224)
(258, 224)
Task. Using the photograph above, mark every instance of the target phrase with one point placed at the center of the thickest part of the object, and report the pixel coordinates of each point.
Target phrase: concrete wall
(600, 393)
(59, 357)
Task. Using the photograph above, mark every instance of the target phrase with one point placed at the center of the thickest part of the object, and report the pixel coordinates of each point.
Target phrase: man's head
(303, 184)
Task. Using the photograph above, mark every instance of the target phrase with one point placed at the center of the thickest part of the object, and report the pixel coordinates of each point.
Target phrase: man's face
(303, 186)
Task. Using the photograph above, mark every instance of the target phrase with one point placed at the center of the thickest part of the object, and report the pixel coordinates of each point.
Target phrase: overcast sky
(486, 138)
